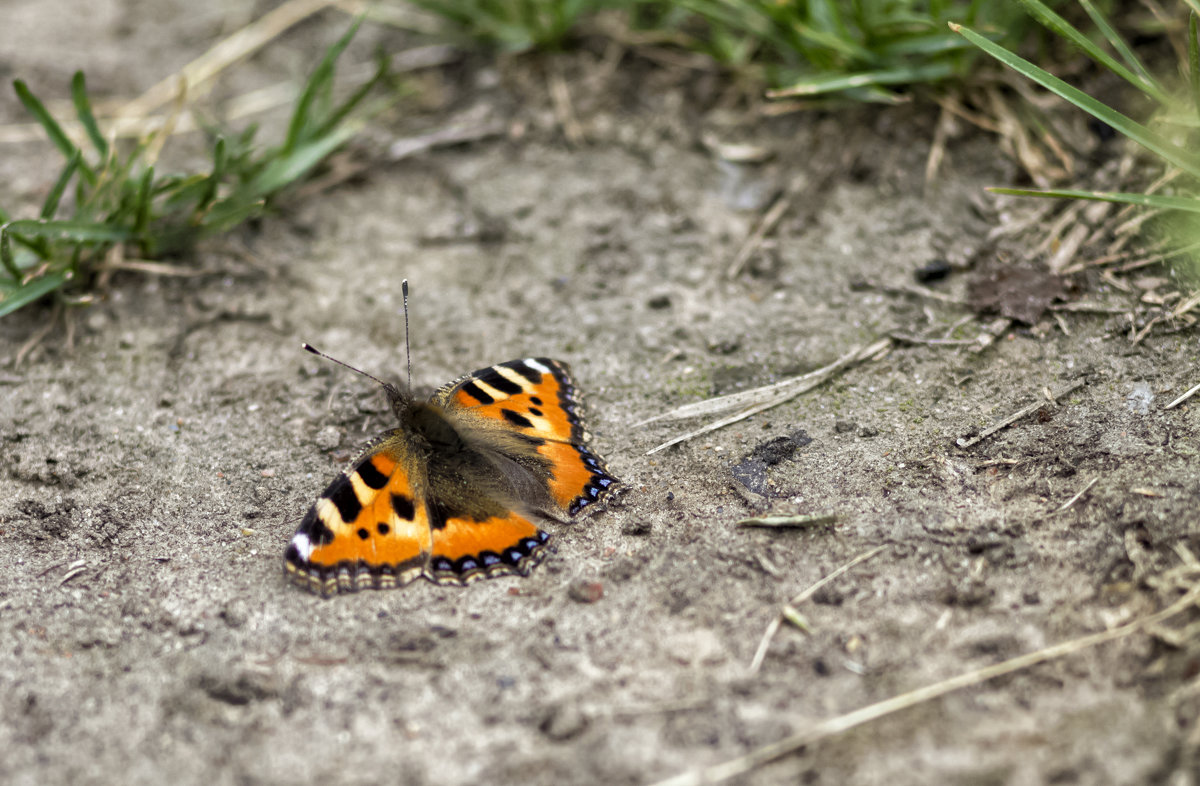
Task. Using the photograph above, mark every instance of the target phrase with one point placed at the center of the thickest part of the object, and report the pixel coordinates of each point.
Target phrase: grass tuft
(862, 49)
(123, 200)
(1176, 109)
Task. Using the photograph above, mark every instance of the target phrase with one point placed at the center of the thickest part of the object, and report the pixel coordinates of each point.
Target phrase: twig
(905, 288)
(991, 331)
(146, 266)
(469, 128)
(755, 239)
(1075, 498)
(39, 336)
(1182, 398)
(904, 338)
(224, 54)
(1186, 305)
(251, 103)
(841, 723)
(1137, 337)
(812, 182)
(785, 522)
(564, 111)
(1088, 308)
(937, 148)
(73, 570)
(963, 442)
(773, 627)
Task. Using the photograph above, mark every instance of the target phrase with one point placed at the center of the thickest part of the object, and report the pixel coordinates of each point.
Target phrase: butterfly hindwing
(537, 397)
(466, 548)
(369, 529)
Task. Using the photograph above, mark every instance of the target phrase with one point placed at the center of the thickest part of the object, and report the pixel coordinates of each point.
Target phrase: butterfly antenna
(407, 350)
(319, 353)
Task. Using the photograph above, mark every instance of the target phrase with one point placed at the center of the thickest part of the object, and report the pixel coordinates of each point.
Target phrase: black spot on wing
(383, 528)
(516, 418)
(535, 400)
(403, 505)
(342, 495)
(537, 413)
(493, 378)
(371, 475)
(437, 515)
(476, 392)
(362, 533)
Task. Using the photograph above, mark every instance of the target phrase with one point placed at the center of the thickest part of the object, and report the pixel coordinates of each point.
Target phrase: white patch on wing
(536, 366)
(303, 545)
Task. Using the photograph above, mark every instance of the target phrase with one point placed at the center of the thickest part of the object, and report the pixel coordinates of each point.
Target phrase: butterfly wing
(537, 399)
(369, 529)
(466, 548)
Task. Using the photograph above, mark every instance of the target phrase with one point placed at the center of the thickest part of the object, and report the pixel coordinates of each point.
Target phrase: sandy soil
(154, 472)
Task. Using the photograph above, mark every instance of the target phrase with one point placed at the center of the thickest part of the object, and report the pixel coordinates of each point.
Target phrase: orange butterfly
(450, 495)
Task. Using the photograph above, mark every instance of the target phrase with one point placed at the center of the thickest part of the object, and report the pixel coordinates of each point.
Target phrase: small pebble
(585, 590)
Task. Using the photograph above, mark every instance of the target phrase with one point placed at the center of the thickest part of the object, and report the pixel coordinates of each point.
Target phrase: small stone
(234, 614)
(844, 426)
(328, 438)
(583, 590)
(933, 270)
(563, 722)
(636, 527)
(695, 647)
(659, 302)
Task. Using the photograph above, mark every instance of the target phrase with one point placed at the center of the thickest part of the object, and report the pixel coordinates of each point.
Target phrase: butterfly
(452, 494)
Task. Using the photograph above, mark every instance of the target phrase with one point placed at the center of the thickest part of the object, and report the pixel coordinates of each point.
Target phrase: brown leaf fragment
(1021, 293)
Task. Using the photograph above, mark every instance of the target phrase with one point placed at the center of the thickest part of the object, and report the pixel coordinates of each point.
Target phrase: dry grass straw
(789, 609)
(751, 402)
(842, 723)
(1020, 413)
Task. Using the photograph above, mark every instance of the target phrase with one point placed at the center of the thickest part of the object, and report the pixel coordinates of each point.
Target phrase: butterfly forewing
(538, 397)
(367, 530)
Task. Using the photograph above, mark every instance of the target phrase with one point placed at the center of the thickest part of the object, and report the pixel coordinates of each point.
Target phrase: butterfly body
(452, 493)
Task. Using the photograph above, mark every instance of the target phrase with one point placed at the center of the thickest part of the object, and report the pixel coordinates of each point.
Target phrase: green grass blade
(55, 196)
(13, 299)
(836, 82)
(321, 76)
(57, 136)
(83, 109)
(142, 212)
(229, 213)
(351, 103)
(285, 170)
(1148, 139)
(1194, 62)
(1042, 13)
(213, 182)
(1118, 43)
(6, 254)
(67, 229)
(1159, 201)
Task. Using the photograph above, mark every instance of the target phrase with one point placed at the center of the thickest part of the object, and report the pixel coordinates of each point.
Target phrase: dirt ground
(154, 471)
